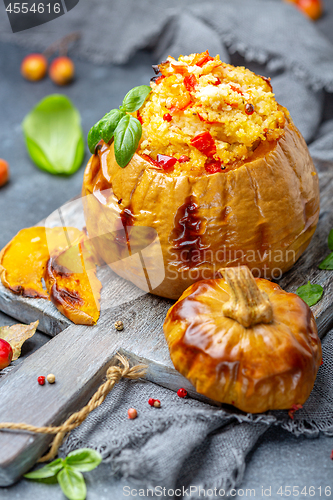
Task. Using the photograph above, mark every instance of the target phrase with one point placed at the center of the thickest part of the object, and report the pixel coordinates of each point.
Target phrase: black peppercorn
(249, 108)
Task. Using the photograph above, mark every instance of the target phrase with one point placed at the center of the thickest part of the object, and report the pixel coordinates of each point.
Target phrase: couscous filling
(206, 116)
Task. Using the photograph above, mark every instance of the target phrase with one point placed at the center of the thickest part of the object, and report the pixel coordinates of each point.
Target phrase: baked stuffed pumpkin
(221, 177)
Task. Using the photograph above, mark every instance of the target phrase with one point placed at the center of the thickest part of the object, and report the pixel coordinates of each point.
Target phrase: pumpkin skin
(262, 213)
(263, 367)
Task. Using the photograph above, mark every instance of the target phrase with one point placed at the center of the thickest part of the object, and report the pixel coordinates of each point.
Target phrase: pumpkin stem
(247, 304)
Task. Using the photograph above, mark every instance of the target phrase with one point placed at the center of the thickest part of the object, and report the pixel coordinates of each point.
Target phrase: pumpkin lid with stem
(248, 305)
(244, 341)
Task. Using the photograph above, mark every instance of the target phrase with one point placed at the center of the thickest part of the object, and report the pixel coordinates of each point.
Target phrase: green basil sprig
(328, 262)
(125, 129)
(68, 472)
(311, 294)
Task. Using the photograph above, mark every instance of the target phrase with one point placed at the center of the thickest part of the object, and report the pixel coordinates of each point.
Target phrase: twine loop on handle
(113, 375)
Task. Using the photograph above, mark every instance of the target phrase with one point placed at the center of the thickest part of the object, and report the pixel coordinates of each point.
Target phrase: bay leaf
(16, 335)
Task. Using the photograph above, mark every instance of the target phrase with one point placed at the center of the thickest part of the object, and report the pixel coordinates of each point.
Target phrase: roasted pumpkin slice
(23, 259)
(73, 286)
(22, 263)
(63, 257)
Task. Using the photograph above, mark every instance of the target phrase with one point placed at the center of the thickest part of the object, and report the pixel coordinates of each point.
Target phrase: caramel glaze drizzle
(186, 235)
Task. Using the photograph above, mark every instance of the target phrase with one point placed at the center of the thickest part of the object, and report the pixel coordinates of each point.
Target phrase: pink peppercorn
(41, 380)
(182, 393)
(132, 413)
(154, 402)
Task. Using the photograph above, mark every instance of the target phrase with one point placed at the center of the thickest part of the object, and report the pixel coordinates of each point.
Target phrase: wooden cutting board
(80, 355)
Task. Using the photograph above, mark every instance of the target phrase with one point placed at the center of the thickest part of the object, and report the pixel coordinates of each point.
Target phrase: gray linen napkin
(189, 443)
(322, 147)
(184, 443)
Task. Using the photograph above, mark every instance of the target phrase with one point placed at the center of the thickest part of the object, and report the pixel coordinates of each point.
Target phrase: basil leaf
(327, 263)
(311, 294)
(104, 129)
(84, 459)
(126, 139)
(54, 136)
(330, 240)
(50, 470)
(134, 99)
(108, 124)
(93, 138)
(72, 484)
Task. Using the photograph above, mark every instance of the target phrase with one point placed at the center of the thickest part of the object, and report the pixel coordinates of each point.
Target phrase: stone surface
(279, 459)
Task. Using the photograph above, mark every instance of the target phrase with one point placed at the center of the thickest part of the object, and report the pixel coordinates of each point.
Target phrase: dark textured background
(280, 459)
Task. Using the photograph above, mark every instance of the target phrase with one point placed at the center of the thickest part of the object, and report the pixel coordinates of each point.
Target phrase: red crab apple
(6, 353)
(62, 70)
(4, 172)
(34, 67)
